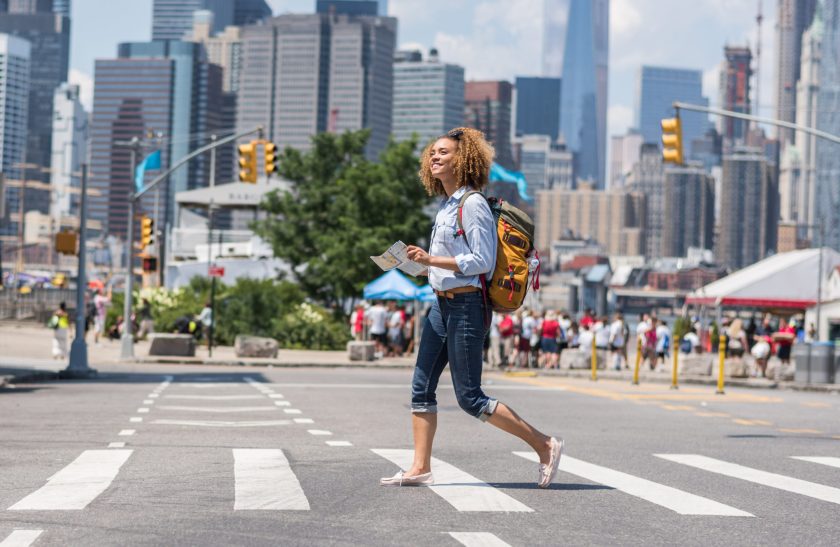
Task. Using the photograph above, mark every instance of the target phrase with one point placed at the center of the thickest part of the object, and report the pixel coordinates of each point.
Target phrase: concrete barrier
(697, 365)
(361, 351)
(255, 346)
(576, 359)
(180, 345)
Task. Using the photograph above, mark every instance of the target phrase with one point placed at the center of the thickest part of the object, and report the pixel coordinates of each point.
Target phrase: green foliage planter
(310, 327)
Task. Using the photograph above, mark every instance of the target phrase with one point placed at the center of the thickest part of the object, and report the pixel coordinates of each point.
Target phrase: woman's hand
(418, 255)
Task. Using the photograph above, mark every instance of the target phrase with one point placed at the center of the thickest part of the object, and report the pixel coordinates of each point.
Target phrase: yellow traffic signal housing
(270, 158)
(248, 162)
(672, 145)
(147, 232)
(65, 243)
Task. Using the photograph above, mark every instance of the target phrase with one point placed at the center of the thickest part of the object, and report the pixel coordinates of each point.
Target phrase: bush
(253, 307)
(311, 327)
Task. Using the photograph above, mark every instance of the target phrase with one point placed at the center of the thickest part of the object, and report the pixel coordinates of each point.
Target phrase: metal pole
(213, 278)
(593, 357)
(21, 221)
(819, 286)
(212, 162)
(675, 347)
(78, 367)
(127, 339)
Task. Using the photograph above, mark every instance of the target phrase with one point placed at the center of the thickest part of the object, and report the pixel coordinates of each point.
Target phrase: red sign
(216, 271)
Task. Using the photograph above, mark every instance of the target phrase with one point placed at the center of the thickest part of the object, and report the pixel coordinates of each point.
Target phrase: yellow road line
(677, 407)
(801, 430)
(816, 405)
(713, 414)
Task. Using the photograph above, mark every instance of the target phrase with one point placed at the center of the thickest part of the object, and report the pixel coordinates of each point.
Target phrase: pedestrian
(206, 320)
(663, 342)
(588, 319)
(395, 327)
(101, 302)
(494, 351)
(458, 321)
(523, 347)
(60, 324)
(507, 334)
(784, 340)
(736, 339)
(408, 333)
(357, 322)
(761, 352)
(617, 341)
(377, 318)
(548, 341)
(147, 324)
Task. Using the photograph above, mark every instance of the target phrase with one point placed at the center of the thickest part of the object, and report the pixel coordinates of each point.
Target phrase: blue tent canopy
(426, 294)
(392, 285)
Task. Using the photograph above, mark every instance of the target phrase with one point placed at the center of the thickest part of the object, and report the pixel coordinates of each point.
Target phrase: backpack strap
(488, 308)
(461, 203)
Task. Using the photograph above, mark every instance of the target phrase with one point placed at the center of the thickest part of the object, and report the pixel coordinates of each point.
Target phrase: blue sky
(495, 39)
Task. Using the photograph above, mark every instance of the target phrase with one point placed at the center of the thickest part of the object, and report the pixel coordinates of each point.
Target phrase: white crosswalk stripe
(21, 538)
(478, 539)
(223, 423)
(674, 499)
(823, 460)
(265, 481)
(765, 478)
(78, 484)
(219, 409)
(463, 491)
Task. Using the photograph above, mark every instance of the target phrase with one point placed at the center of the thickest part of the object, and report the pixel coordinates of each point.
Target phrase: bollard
(594, 359)
(638, 361)
(675, 367)
(721, 357)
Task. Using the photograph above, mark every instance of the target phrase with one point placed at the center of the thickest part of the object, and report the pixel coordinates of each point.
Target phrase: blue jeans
(453, 333)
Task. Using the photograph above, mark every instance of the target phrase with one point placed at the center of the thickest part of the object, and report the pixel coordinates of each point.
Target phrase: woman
(548, 342)
(457, 323)
(60, 323)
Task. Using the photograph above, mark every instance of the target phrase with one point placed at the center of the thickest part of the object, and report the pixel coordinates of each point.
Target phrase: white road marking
(832, 462)
(218, 423)
(142, 410)
(319, 432)
(773, 480)
(135, 419)
(153, 395)
(304, 421)
(148, 402)
(460, 489)
(292, 411)
(282, 403)
(116, 445)
(478, 539)
(674, 499)
(265, 481)
(21, 538)
(339, 443)
(205, 386)
(78, 484)
(220, 409)
(276, 396)
(127, 432)
(490, 387)
(214, 397)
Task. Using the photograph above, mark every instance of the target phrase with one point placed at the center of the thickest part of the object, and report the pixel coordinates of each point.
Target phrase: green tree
(341, 209)
(253, 307)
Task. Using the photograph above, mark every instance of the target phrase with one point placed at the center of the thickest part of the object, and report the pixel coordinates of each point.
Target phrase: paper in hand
(396, 257)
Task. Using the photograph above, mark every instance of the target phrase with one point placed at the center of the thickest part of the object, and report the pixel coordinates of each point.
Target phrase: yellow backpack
(511, 276)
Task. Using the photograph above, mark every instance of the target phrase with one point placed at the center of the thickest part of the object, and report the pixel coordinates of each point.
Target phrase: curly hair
(473, 158)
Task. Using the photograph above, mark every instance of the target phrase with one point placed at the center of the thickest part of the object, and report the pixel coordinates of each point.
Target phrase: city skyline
(510, 33)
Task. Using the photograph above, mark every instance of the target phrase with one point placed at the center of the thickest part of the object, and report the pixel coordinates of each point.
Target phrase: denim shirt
(473, 259)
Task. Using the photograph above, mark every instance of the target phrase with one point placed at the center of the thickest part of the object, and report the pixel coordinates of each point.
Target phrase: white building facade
(70, 133)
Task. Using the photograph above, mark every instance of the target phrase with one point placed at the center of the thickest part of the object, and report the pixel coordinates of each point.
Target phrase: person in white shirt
(526, 330)
(663, 341)
(617, 341)
(395, 327)
(585, 340)
(377, 320)
(602, 334)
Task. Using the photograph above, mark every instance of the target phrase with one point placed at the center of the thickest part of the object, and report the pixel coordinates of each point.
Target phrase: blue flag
(149, 163)
(500, 174)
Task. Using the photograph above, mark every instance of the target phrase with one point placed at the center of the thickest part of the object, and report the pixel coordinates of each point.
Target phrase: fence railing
(36, 305)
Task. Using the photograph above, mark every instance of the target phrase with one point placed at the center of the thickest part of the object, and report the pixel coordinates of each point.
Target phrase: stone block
(178, 345)
(736, 368)
(696, 365)
(576, 359)
(361, 351)
(255, 346)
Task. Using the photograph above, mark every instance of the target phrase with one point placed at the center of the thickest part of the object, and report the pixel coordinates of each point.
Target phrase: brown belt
(457, 290)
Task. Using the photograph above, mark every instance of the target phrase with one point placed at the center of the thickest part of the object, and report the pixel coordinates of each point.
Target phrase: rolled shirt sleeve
(480, 233)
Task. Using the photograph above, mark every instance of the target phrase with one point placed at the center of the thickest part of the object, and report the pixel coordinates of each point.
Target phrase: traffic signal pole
(127, 340)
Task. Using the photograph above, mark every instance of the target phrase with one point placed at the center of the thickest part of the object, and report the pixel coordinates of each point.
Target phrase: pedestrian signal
(248, 162)
(147, 232)
(149, 264)
(270, 158)
(672, 145)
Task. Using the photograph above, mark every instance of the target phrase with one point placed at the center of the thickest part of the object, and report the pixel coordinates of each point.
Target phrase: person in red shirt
(548, 343)
(588, 319)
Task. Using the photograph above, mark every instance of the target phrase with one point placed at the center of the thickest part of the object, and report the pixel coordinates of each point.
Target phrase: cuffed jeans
(453, 333)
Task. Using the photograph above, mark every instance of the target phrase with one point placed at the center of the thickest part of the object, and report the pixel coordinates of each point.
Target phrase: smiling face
(442, 159)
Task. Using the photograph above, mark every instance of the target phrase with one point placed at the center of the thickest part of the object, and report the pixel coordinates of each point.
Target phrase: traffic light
(270, 158)
(149, 264)
(248, 162)
(672, 145)
(147, 232)
(65, 243)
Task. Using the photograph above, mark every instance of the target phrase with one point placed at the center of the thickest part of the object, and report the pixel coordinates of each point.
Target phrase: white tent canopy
(786, 280)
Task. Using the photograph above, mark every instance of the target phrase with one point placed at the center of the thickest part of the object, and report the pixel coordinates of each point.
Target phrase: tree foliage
(341, 209)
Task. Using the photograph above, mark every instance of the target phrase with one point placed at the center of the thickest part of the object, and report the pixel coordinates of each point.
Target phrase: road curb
(28, 376)
(273, 364)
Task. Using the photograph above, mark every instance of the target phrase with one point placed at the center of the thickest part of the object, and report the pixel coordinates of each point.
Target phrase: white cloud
(620, 118)
(85, 83)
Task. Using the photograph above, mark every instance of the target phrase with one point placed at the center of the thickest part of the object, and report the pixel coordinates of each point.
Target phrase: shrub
(311, 327)
(253, 306)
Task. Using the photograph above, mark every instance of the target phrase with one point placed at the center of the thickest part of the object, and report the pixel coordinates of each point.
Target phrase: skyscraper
(159, 87)
(69, 151)
(734, 90)
(656, 90)
(555, 18)
(648, 177)
(624, 154)
(248, 12)
(538, 106)
(749, 214)
(14, 109)
(353, 7)
(487, 107)
(827, 191)
(49, 37)
(690, 202)
(428, 97)
(794, 16)
(171, 19)
(583, 112)
(304, 74)
(30, 6)
(545, 163)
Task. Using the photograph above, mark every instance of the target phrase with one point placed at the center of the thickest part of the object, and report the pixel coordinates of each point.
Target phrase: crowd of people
(389, 324)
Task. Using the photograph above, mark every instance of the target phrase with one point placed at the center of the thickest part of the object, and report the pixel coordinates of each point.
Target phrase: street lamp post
(78, 367)
(127, 339)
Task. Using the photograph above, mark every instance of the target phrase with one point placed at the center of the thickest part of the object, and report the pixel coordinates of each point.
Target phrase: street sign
(216, 271)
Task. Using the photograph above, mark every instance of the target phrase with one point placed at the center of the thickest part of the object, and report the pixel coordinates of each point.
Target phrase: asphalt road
(221, 456)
